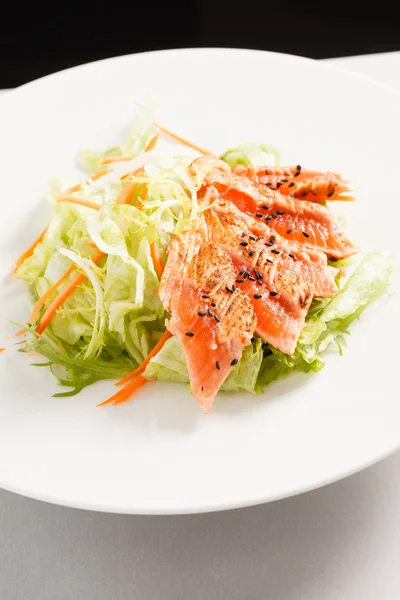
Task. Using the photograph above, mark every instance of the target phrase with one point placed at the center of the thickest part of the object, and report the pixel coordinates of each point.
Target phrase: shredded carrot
(18, 334)
(64, 295)
(2, 349)
(166, 335)
(155, 255)
(152, 143)
(343, 198)
(127, 193)
(114, 159)
(181, 140)
(28, 252)
(80, 201)
(79, 186)
(42, 300)
(124, 394)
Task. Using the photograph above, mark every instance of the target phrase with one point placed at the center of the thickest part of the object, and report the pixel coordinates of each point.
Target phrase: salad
(223, 273)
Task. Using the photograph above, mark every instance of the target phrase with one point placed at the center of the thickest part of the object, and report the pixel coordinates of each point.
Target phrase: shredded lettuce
(329, 323)
(252, 154)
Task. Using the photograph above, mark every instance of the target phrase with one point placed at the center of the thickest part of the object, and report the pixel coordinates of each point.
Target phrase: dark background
(37, 39)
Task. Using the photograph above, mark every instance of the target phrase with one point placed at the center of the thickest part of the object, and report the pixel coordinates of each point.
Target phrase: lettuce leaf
(328, 323)
(252, 154)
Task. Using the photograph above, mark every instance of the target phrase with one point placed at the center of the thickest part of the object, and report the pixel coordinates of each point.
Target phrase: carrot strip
(29, 252)
(152, 143)
(80, 201)
(113, 159)
(64, 295)
(155, 255)
(130, 389)
(79, 186)
(344, 198)
(127, 193)
(181, 140)
(2, 349)
(42, 300)
(166, 335)
(126, 393)
(20, 332)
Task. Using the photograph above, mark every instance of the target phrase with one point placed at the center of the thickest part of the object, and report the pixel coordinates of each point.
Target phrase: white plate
(160, 454)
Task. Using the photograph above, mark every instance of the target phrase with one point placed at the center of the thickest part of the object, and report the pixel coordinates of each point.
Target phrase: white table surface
(341, 542)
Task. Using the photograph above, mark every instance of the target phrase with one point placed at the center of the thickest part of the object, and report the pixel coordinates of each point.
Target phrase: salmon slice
(280, 278)
(297, 182)
(213, 320)
(296, 220)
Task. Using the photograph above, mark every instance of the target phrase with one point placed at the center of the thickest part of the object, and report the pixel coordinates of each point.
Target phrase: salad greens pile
(114, 317)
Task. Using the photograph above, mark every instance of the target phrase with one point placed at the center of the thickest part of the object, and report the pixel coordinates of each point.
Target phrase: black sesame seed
(264, 206)
(243, 234)
(272, 239)
(234, 362)
(213, 304)
(239, 280)
(251, 253)
(291, 184)
(210, 312)
(268, 243)
(258, 274)
(242, 271)
(275, 251)
(217, 319)
(278, 185)
(268, 218)
(274, 215)
(273, 293)
(272, 187)
(251, 278)
(280, 212)
(284, 180)
(299, 168)
(297, 174)
(271, 262)
(244, 243)
(189, 333)
(259, 215)
(253, 238)
(259, 282)
(228, 289)
(253, 339)
(205, 295)
(290, 230)
(201, 313)
(266, 172)
(331, 194)
(257, 296)
(217, 365)
(202, 387)
(292, 256)
(307, 235)
(234, 287)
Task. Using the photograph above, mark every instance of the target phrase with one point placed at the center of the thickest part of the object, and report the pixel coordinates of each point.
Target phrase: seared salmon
(281, 278)
(297, 220)
(211, 317)
(297, 182)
